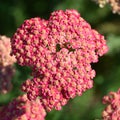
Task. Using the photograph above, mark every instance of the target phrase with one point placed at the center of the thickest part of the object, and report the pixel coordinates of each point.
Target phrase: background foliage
(89, 105)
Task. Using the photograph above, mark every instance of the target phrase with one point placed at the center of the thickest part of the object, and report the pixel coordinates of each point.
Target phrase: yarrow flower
(6, 74)
(23, 109)
(112, 110)
(6, 65)
(59, 51)
(115, 4)
(101, 3)
(5, 49)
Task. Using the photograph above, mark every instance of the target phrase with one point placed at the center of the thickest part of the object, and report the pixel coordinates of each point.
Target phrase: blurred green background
(89, 105)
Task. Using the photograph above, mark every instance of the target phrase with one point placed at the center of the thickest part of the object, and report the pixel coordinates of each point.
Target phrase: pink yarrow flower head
(23, 109)
(115, 4)
(112, 109)
(5, 50)
(59, 51)
(6, 65)
(6, 74)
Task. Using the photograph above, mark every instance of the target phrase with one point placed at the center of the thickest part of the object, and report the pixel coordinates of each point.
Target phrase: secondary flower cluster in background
(6, 65)
(60, 52)
(23, 109)
(112, 110)
(115, 4)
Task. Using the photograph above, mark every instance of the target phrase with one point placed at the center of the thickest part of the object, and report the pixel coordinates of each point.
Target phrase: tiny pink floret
(59, 51)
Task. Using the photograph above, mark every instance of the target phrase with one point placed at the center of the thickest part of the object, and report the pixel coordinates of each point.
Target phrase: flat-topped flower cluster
(115, 4)
(23, 109)
(112, 110)
(6, 65)
(5, 50)
(60, 51)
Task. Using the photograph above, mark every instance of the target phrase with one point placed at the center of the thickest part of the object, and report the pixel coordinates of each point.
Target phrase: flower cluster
(112, 110)
(115, 4)
(60, 52)
(6, 65)
(23, 109)
(5, 50)
(101, 3)
(6, 74)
